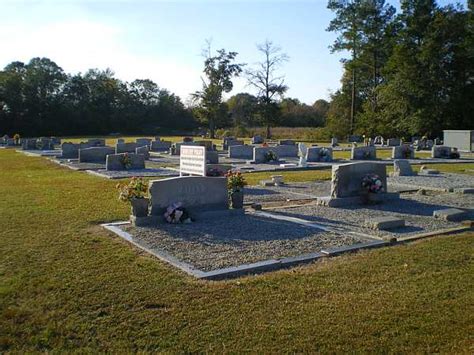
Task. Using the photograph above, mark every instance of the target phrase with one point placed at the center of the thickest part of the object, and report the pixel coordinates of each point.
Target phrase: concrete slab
(385, 223)
(354, 247)
(450, 214)
(464, 190)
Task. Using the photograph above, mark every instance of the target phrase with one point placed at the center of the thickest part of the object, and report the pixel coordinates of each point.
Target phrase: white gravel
(442, 181)
(210, 245)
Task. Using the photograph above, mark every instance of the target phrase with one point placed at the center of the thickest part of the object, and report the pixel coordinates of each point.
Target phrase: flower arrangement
(372, 183)
(214, 172)
(324, 154)
(271, 156)
(235, 181)
(406, 152)
(136, 188)
(176, 213)
(17, 137)
(126, 161)
(454, 154)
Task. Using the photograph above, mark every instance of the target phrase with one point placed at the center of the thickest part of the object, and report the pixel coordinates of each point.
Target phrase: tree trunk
(353, 97)
(212, 129)
(268, 132)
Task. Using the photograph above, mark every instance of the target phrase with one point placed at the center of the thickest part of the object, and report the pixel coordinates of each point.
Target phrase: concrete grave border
(276, 264)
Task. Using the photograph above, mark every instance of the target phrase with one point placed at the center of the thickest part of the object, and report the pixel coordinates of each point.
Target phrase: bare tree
(269, 85)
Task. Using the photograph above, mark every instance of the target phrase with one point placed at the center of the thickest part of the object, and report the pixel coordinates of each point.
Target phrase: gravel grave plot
(124, 174)
(465, 201)
(75, 165)
(292, 191)
(442, 181)
(164, 159)
(41, 153)
(417, 211)
(215, 244)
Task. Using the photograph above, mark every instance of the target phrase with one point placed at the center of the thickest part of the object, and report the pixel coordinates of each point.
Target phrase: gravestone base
(329, 201)
(384, 223)
(154, 221)
(357, 200)
(267, 183)
(147, 221)
(429, 172)
(273, 162)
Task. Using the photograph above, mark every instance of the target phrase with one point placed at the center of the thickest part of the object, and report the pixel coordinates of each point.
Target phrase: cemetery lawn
(68, 285)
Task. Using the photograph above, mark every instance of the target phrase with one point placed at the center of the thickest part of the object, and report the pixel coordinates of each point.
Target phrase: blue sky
(163, 40)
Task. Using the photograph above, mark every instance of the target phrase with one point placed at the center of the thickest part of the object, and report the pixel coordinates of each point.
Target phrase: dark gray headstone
(125, 148)
(403, 152)
(402, 167)
(196, 193)
(347, 178)
(116, 162)
(363, 153)
(145, 151)
(241, 151)
(319, 154)
(160, 146)
(95, 154)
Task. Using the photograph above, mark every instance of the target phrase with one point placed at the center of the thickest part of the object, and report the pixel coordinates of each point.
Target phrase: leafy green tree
(243, 109)
(219, 71)
(269, 85)
(429, 85)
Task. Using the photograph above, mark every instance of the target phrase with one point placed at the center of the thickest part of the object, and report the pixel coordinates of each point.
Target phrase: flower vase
(139, 207)
(237, 199)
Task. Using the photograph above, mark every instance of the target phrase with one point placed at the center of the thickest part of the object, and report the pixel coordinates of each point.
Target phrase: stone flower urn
(140, 207)
(237, 199)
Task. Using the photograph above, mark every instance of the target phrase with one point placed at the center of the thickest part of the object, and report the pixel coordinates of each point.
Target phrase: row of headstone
(175, 149)
(394, 142)
(240, 151)
(363, 153)
(441, 151)
(95, 154)
(347, 186)
(124, 161)
(402, 167)
(319, 154)
(257, 140)
(230, 141)
(403, 152)
(42, 143)
(281, 151)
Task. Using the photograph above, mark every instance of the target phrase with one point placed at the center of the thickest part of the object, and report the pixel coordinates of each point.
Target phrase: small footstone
(450, 214)
(384, 223)
(267, 183)
(429, 171)
(256, 206)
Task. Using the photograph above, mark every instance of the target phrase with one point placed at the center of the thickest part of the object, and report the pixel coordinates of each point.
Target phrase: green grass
(67, 285)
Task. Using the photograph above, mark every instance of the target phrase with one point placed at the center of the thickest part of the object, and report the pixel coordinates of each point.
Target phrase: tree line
(406, 74)
(38, 98)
